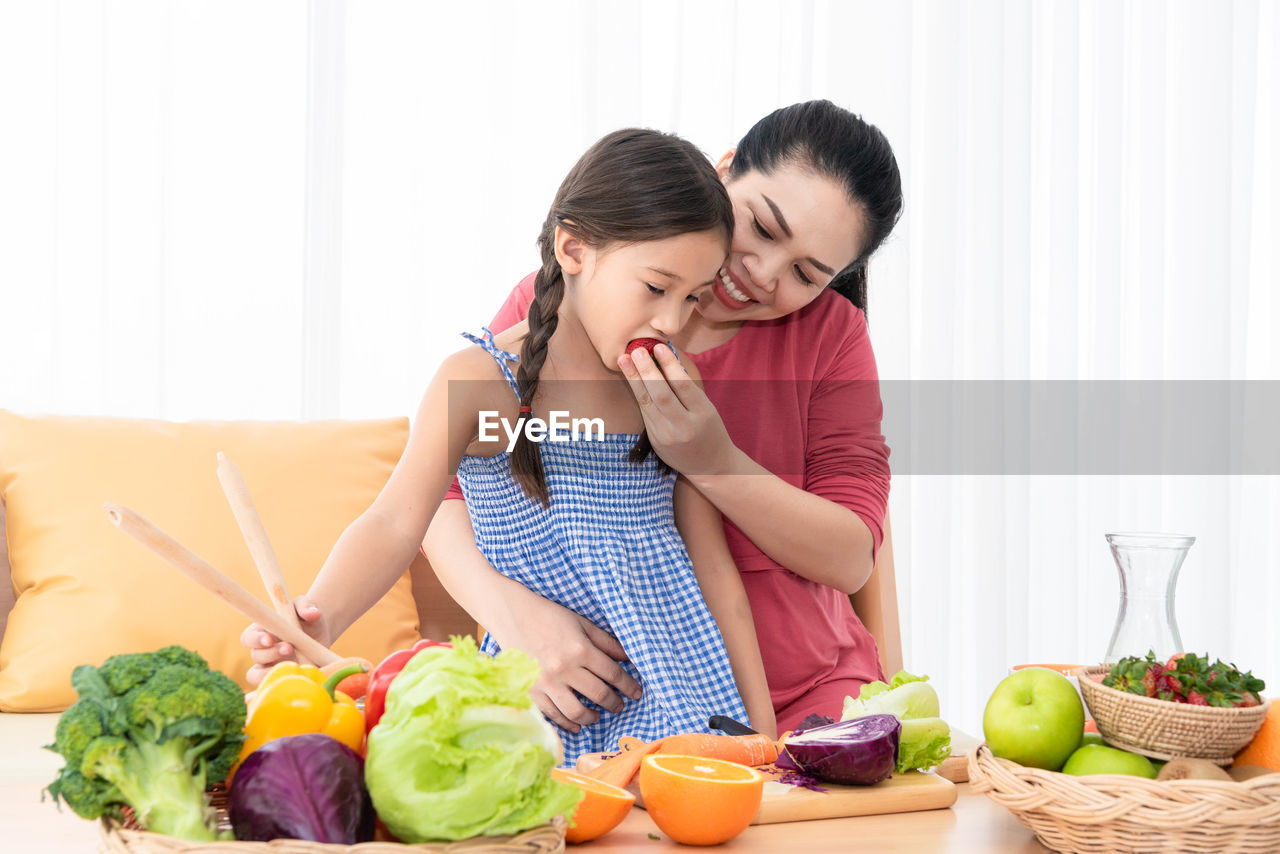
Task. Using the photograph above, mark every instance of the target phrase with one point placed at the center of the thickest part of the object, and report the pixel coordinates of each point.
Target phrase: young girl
(636, 233)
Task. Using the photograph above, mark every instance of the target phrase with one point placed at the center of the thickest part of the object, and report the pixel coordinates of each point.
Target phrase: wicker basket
(1161, 729)
(1112, 813)
(544, 839)
(117, 838)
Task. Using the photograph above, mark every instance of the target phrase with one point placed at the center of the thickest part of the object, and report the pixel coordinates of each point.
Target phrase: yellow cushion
(86, 590)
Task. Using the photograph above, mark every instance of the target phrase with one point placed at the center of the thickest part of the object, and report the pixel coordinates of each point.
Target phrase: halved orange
(602, 808)
(698, 801)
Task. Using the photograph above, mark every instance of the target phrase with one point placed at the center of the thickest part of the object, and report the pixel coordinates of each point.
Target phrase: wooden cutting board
(784, 802)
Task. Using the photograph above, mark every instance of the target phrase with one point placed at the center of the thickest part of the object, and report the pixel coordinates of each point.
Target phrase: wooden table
(974, 824)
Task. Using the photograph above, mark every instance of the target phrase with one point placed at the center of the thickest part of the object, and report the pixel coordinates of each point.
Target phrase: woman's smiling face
(793, 231)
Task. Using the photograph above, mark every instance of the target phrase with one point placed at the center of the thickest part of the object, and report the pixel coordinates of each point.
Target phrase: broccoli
(149, 730)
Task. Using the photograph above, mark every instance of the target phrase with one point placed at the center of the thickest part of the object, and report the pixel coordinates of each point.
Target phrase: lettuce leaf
(926, 738)
(461, 751)
(924, 743)
(908, 700)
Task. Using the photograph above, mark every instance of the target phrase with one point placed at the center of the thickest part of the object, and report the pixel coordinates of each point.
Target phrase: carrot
(755, 749)
(619, 770)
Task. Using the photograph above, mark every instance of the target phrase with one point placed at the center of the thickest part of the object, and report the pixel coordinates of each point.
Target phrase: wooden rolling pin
(195, 568)
(255, 537)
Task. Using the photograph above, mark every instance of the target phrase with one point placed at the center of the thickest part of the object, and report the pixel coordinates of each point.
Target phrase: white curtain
(289, 210)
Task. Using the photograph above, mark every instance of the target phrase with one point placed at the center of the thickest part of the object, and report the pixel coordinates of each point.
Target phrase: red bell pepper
(375, 699)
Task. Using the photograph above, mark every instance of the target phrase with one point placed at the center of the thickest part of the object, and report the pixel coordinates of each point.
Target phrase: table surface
(974, 824)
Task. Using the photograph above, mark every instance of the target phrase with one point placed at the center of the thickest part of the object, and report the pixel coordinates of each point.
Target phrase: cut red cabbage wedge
(785, 762)
(857, 752)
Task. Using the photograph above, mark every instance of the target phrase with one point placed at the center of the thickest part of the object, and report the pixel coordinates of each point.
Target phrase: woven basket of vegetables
(126, 837)
(459, 760)
(1213, 725)
(120, 839)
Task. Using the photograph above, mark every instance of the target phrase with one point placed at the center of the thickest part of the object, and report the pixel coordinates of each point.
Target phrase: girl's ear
(722, 168)
(570, 251)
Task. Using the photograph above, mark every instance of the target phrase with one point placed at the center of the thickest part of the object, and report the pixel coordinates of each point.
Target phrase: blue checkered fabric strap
(607, 547)
(502, 357)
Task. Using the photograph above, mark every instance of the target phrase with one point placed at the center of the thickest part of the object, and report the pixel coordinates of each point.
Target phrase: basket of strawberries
(1185, 706)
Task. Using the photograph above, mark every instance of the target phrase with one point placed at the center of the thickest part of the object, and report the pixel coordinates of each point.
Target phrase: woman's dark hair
(836, 144)
(632, 186)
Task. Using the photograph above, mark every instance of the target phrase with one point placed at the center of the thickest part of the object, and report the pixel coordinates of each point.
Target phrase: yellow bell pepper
(294, 699)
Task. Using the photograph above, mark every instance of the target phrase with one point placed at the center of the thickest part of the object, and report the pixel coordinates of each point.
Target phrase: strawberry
(1186, 678)
(1151, 682)
(648, 344)
(1168, 688)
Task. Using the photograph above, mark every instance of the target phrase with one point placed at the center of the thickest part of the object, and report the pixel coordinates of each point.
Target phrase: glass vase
(1148, 566)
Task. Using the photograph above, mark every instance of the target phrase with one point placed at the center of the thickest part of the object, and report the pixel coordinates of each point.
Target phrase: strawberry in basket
(1186, 678)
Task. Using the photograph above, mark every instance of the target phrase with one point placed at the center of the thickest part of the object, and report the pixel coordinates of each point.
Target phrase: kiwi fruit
(1240, 773)
(1183, 768)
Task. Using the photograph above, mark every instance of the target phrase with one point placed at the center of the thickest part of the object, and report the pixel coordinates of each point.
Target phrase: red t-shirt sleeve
(514, 310)
(516, 307)
(846, 458)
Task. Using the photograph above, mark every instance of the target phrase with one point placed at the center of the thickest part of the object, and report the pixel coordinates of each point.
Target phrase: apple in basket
(1035, 718)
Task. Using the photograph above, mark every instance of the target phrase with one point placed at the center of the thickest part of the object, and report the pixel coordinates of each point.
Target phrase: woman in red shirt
(785, 439)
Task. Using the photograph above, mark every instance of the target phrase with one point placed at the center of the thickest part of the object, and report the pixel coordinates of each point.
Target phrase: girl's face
(793, 231)
(640, 290)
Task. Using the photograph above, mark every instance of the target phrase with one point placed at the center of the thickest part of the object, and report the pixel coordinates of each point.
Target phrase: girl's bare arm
(702, 529)
(376, 548)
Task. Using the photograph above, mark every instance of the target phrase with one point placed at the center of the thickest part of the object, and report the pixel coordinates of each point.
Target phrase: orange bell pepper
(294, 699)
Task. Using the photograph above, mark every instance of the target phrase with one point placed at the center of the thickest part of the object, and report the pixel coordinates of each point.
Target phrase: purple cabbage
(860, 751)
(812, 721)
(784, 761)
(302, 787)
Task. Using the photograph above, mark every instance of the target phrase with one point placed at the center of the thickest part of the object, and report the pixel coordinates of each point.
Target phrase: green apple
(1104, 759)
(1034, 718)
(1092, 738)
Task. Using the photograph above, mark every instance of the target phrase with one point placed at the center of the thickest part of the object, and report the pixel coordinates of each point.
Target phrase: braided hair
(839, 145)
(632, 186)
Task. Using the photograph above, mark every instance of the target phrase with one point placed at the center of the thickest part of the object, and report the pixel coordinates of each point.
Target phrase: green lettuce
(924, 743)
(926, 737)
(905, 696)
(461, 751)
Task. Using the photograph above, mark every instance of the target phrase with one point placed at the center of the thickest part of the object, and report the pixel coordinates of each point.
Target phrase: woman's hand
(573, 653)
(575, 656)
(267, 650)
(681, 421)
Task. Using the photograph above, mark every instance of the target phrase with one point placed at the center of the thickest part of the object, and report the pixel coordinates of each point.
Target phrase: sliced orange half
(602, 808)
(699, 801)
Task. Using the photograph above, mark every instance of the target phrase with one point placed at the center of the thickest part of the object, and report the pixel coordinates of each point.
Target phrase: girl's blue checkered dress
(608, 548)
